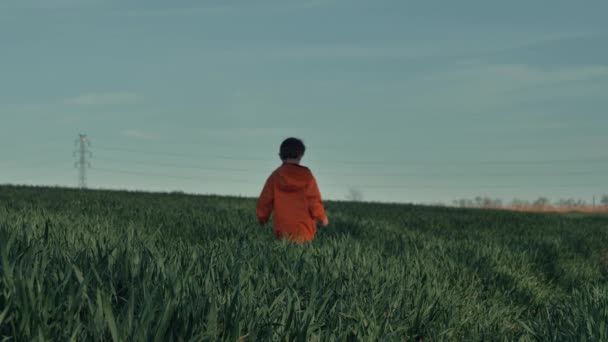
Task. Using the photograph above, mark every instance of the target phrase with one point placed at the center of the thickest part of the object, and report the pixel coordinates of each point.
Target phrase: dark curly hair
(292, 148)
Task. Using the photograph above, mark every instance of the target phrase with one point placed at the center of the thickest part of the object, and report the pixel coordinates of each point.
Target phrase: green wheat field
(125, 266)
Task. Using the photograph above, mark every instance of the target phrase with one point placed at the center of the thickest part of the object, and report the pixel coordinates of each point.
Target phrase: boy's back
(292, 196)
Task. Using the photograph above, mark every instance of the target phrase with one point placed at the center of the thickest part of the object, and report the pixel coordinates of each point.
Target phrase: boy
(292, 196)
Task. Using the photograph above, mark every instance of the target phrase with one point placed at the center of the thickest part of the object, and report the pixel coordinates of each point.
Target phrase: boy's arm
(265, 202)
(315, 202)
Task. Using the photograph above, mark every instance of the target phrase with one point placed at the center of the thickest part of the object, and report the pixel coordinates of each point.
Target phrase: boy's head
(292, 148)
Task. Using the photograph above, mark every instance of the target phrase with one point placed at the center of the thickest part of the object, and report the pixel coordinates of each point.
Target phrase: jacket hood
(292, 177)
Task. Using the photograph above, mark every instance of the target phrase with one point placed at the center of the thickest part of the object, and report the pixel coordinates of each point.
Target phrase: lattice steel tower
(83, 143)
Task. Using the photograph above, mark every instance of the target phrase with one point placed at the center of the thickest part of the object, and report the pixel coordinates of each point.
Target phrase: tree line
(539, 203)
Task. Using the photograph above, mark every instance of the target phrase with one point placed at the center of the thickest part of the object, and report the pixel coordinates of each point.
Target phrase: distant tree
(491, 202)
(519, 203)
(571, 203)
(604, 200)
(478, 202)
(541, 202)
(463, 203)
(354, 195)
(486, 202)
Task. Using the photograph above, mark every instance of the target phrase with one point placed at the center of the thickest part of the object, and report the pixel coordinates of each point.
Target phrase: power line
(364, 186)
(170, 176)
(178, 166)
(384, 146)
(360, 162)
(173, 154)
(342, 174)
(45, 164)
(82, 151)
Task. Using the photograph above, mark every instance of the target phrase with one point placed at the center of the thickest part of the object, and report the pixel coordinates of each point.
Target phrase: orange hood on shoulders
(292, 177)
(291, 195)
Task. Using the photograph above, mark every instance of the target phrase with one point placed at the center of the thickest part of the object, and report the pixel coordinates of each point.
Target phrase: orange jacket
(292, 196)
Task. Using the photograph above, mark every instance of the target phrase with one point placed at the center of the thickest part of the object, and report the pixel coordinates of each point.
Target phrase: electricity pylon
(83, 143)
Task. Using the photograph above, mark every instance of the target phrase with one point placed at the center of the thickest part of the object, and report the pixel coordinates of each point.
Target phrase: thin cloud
(446, 52)
(48, 4)
(267, 6)
(176, 11)
(494, 88)
(244, 132)
(136, 134)
(484, 82)
(520, 74)
(351, 51)
(103, 99)
(8, 164)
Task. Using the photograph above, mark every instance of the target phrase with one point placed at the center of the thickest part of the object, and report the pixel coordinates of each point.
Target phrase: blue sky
(410, 101)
